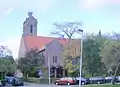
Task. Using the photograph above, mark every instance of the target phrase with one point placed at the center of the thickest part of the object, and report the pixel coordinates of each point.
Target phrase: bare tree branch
(67, 29)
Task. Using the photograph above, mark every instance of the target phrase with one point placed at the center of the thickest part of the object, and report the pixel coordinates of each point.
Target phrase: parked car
(17, 82)
(97, 80)
(108, 79)
(9, 79)
(83, 80)
(117, 78)
(66, 81)
(2, 83)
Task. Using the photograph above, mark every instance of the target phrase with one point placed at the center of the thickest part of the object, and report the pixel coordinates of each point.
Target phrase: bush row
(39, 80)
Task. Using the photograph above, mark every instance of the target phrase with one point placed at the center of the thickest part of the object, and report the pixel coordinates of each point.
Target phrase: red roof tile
(40, 41)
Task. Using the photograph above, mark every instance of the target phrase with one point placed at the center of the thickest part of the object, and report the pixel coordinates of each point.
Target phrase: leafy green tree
(31, 60)
(71, 53)
(111, 54)
(7, 65)
(92, 64)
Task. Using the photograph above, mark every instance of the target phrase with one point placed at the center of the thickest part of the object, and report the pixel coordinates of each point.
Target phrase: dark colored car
(2, 83)
(17, 82)
(97, 80)
(84, 81)
(118, 79)
(108, 79)
(66, 81)
(9, 79)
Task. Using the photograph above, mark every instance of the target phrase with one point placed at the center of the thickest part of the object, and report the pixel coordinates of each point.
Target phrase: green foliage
(7, 64)
(30, 61)
(103, 85)
(71, 49)
(111, 53)
(92, 64)
(33, 72)
(39, 80)
(2, 75)
(71, 53)
(70, 67)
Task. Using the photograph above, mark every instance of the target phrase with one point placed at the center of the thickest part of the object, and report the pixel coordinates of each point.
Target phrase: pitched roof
(40, 41)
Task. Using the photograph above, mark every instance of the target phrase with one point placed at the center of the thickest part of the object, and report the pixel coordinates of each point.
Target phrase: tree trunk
(114, 77)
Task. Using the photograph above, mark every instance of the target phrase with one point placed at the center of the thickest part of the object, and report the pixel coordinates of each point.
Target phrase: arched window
(31, 28)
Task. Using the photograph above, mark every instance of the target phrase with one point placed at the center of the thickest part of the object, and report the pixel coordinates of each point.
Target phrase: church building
(50, 47)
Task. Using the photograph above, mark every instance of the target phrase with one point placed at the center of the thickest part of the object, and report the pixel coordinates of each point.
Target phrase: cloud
(13, 44)
(96, 4)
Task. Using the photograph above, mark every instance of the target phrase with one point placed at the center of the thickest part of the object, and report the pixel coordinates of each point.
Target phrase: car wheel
(98, 82)
(13, 85)
(56, 83)
(68, 83)
(83, 83)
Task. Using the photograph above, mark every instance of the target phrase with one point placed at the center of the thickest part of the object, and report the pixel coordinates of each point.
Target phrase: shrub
(39, 80)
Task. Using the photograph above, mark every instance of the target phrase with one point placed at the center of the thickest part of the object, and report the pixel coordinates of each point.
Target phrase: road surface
(51, 85)
(45, 85)
(40, 85)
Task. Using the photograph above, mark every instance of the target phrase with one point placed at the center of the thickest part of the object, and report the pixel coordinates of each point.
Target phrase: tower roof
(30, 14)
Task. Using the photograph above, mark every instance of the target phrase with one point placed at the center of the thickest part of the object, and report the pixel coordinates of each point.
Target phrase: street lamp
(49, 67)
(48, 56)
(81, 49)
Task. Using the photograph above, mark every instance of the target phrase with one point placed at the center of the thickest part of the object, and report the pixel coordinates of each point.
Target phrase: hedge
(39, 80)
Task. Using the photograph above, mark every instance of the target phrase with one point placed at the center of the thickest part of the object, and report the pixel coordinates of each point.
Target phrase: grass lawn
(104, 85)
(101, 85)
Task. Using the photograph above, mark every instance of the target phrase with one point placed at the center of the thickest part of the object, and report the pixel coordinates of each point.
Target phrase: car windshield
(66, 78)
(110, 77)
(96, 78)
(18, 79)
(79, 78)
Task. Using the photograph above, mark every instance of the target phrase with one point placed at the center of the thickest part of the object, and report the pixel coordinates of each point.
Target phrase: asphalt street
(40, 85)
(46, 85)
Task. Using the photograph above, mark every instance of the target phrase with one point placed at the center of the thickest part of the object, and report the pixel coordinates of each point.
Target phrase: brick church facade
(50, 47)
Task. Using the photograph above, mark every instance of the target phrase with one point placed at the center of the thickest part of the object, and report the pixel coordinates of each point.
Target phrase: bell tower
(30, 26)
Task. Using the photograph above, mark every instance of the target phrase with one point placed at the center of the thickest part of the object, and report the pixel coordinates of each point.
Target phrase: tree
(4, 51)
(7, 65)
(67, 29)
(111, 53)
(111, 56)
(71, 54)
(72, 47)
(31, 60)
(91, 57)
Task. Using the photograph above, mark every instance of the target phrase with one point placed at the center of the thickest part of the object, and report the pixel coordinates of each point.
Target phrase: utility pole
(81, 50)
